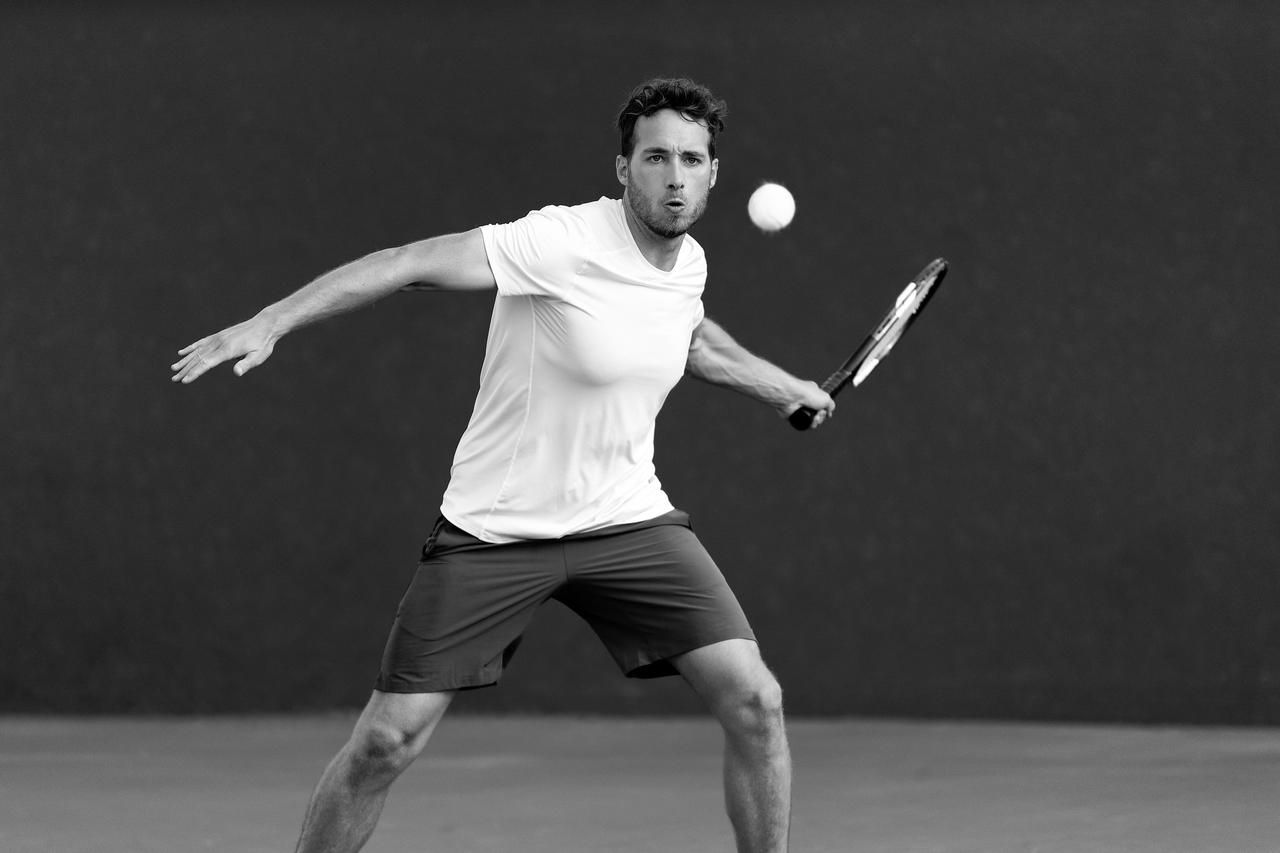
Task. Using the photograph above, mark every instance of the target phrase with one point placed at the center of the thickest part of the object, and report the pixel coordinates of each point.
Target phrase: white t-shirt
(587, 339)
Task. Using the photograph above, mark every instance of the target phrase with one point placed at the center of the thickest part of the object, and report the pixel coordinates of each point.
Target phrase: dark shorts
(649, 590)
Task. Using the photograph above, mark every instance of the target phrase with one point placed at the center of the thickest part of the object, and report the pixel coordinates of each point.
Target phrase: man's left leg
(745, 697)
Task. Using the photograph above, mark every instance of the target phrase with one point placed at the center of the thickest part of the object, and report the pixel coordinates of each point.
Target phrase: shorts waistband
(447, 535)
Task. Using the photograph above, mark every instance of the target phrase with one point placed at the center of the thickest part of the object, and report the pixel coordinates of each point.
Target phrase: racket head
(905, 310)
(906, 307)
(889, 331)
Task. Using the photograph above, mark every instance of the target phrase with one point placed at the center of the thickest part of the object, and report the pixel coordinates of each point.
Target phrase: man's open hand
(251, 341)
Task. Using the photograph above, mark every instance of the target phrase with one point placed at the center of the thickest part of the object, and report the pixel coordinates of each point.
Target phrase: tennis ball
(771, 207)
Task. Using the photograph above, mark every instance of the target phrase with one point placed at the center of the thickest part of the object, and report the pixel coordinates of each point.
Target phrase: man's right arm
(451, 262)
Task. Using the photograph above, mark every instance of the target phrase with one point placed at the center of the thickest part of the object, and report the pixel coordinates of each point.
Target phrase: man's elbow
(701, 361)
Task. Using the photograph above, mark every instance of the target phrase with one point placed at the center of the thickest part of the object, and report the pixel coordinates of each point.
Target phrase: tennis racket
(858, 367)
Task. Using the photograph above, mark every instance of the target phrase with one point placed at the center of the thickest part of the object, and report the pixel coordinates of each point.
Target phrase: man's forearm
(338, 291)
(717, 358)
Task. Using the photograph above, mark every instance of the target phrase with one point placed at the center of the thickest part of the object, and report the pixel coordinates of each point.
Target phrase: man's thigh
(462, 616)
(651, 594)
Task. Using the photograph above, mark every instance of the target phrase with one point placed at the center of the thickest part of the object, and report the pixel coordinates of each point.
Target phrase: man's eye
(693, 161)
(655, 158)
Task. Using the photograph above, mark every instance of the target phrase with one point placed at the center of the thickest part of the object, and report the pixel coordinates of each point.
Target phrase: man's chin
(671, 225)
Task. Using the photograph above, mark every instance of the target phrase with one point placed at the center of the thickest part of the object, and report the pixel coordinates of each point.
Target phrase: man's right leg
(387, 738)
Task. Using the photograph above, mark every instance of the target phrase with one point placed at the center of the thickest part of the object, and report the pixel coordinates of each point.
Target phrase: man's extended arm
(717, 358)
(451, 262)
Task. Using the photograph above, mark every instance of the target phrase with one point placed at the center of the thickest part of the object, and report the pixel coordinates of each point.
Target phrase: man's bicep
(705, 348)
(449, 262)
(708, 335)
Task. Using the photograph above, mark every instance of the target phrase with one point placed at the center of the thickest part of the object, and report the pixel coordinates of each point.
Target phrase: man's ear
(620, 167)
(715, 170)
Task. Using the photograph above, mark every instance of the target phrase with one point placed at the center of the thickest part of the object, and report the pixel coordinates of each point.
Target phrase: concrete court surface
(651, 785)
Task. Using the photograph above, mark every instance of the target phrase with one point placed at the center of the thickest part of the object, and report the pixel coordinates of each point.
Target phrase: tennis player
(553, 493)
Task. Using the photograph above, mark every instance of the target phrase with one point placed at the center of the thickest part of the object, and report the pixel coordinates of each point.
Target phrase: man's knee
(755, 711)
(380, 749)
(391, 734)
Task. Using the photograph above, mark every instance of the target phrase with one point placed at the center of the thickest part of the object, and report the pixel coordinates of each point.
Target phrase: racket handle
(802, 418)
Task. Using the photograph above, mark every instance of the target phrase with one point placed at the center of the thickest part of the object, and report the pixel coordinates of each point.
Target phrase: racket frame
(876, 346)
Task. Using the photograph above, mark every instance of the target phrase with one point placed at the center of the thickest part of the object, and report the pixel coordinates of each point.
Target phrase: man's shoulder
(585, 214)
(575, 223)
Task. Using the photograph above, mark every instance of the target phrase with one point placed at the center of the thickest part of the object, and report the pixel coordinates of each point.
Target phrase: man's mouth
(675, 205)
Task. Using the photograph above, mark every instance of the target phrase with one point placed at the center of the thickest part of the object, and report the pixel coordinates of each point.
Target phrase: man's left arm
(717, 358)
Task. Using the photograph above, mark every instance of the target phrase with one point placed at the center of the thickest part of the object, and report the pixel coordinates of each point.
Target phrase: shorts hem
(447, 678)
(442, 685)
(657, 664)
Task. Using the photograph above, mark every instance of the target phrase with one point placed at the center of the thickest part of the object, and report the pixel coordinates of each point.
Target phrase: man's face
(669, 174)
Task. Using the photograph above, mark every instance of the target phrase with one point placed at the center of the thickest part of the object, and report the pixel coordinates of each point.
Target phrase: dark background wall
(1057, 500)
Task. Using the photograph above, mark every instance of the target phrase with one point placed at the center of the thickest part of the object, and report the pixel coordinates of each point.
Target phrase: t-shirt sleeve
(699, 313)
(534, 256)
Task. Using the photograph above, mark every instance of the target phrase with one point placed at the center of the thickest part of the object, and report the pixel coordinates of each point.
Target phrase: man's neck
(659, 251)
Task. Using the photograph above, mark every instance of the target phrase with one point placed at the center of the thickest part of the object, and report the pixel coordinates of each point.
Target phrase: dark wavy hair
(690, 99)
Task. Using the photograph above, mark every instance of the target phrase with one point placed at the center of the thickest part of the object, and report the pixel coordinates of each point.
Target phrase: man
(553, 493)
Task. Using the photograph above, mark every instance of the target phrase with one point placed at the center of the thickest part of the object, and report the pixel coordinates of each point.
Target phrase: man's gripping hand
(251, 341)
(809, 394)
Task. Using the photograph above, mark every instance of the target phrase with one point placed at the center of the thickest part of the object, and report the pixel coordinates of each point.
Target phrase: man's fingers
(180, 369)
(191, 372)
(201, 366)
(192, 355)
(196, 366)
(191, 347)
(184, 368)
(182, 362)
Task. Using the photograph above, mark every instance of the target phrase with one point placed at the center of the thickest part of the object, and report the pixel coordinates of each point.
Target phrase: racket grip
(802, 418)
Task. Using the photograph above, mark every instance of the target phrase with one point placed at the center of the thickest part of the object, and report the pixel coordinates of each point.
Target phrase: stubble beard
(661, 221)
